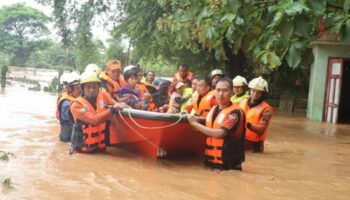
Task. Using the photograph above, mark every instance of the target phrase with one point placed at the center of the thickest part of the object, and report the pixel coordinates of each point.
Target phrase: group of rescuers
(232, 118)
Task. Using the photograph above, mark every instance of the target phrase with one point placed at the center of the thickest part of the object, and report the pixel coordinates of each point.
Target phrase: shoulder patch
(101, 103)
(232, 117)
(84, 109)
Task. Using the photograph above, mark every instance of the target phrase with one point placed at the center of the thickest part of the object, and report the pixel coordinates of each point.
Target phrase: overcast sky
(98, 31)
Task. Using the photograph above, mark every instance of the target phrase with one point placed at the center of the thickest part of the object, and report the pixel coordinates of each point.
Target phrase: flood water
(303, 160)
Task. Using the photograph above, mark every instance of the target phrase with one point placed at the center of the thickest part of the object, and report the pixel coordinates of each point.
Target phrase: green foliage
(268, 32)
(7, 183)
(53, 88)
(262, 37)
(159, 65)
(5, 156)
(21, 28)
(116, 51)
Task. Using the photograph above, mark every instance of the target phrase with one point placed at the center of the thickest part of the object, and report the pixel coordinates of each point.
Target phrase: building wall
(322, 52)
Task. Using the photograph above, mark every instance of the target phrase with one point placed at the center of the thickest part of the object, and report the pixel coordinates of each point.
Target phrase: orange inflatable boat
(157, 135)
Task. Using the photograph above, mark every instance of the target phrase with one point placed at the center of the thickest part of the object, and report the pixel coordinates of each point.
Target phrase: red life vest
(254, 115)
(60, 99)
(92, 136)
(229, 150)
(206, 103)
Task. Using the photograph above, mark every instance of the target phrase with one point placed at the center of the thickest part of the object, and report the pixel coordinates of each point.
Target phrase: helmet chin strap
(257, 101)
(92, 100)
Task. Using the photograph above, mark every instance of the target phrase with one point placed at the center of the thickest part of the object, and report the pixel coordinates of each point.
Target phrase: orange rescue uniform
(142, 88)
(178, 78)
(90, 123)
(228, 152)
(66, 126)
(111, 86)
(202, 106)
(259, 116)
(60, 99)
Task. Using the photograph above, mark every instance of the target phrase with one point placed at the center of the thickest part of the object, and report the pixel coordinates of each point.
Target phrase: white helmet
(216, 72)
(64, 78)
(92, 68)
(127, 68)
(259, 84)
(73, 78)
(239, 81)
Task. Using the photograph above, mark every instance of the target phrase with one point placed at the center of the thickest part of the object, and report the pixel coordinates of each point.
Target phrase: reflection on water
(303, 160)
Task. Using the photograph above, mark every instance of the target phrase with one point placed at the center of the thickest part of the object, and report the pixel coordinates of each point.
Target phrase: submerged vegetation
(6, 182)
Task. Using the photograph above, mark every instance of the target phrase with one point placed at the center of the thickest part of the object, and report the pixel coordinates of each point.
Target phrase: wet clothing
(259, 115)
(91, 123)
(238, 98)
(65, 110)
(255, 147)
(202, 105)
(228, 152)
(62, 114)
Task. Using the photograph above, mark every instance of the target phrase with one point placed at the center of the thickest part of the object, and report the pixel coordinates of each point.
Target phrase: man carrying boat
(71, 91)
(225, 130)
(90, 112)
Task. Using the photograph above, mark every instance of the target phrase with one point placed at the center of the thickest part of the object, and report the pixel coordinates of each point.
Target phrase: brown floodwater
(303, 160)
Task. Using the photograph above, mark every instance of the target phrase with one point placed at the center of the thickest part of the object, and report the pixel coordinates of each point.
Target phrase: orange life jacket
(203, 107)
(111, 86)
(230, 149)
(92, 138)
(60, 99)
(178, 78)
(142, 88)
(254, 116)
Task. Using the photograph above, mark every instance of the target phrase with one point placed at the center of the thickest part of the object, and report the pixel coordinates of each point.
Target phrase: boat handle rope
(160, 151)
(156, 127)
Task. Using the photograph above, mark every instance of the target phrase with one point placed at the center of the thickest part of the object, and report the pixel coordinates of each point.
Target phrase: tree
(74, 20)
(116, 50)
(264, 34)
(21, 28)
(249, 35)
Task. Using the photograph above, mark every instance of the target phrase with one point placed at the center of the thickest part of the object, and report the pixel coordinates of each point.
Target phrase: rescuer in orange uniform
(203, 99)
(112, 79)
(258, 114)
(90, 112)
(225, 130)
(71, 91)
